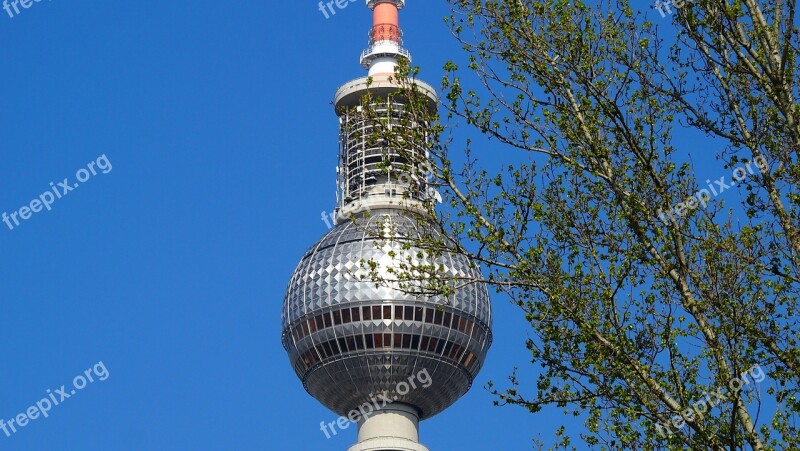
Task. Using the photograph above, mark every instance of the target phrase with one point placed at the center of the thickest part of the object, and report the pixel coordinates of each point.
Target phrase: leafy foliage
(644, 294)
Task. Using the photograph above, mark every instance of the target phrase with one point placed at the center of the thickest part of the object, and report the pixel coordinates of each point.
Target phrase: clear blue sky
(171, 268)
(216, 120)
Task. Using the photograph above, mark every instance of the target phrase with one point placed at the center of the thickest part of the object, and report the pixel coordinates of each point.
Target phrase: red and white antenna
(385, 38)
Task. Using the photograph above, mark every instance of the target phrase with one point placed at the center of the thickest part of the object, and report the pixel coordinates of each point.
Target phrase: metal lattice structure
(369, 167)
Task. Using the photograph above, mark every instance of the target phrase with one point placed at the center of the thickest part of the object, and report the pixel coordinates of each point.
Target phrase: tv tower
(349, 339)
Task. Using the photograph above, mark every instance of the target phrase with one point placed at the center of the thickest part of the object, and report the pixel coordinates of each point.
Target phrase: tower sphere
(350, 339)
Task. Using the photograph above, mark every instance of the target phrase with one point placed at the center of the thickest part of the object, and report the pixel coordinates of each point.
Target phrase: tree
(665, 317)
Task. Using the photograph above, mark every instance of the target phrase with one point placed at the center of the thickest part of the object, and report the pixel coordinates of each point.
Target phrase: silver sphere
(349, 340)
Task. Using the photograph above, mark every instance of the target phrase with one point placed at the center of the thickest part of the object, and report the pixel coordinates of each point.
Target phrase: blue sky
(170, 269)
(220, 146)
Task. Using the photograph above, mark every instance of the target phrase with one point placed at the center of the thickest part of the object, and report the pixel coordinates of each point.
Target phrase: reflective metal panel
(350, 340)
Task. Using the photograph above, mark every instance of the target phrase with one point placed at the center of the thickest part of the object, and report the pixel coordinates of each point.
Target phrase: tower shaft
(395, 427)
(373, 174)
